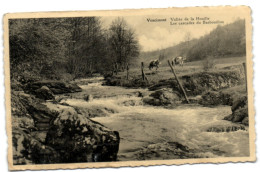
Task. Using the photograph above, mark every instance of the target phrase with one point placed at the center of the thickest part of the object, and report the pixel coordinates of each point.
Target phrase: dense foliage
(68, 48)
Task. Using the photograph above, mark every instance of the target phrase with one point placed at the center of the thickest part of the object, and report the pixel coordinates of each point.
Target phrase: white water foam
(185, 124)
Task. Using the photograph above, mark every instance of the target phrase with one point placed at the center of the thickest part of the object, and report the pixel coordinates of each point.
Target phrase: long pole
(142, 70)
(143, 74)
(244, 65)
(182, 89)
(127, 71)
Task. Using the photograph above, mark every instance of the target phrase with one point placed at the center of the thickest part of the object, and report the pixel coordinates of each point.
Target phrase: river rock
(163, 96)
(216, 98)
(224, 128)
(57, 87)
(142, 93)
(165, 150)
(151, 101)
(25, 122)
(211, 98)
(240, 114)
(44, 93)
(20, 115)
(245, 121)
(16, 86)
(239, 111)
(88, 97)
(132, 103)
(94, 111)
(27, 150)
(238, 103)
(32, 108)
(139, 94)
(79, 139)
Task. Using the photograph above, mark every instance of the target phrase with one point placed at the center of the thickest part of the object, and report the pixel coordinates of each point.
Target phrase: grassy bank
(223, 71)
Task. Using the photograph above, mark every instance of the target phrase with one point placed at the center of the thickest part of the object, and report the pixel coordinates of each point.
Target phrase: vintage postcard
(129, 87)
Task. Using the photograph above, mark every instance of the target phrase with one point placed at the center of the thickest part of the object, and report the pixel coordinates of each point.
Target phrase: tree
(33, 46)
(124, 45)
(187, 39)
(86, 49)
(48, 48)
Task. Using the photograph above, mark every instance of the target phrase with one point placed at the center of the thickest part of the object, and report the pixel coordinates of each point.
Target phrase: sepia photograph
(129, 87)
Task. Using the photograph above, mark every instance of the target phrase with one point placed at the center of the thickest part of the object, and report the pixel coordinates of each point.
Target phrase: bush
(209, 63)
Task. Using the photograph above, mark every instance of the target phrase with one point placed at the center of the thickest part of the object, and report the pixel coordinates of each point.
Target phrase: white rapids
(140, 125)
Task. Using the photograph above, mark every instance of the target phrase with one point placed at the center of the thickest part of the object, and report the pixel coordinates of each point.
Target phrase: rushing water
(140, 125)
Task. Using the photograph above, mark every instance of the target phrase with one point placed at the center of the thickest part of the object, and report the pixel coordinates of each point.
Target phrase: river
(142, 126)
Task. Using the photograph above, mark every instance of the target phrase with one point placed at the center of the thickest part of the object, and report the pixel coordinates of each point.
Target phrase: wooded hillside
(224, 41)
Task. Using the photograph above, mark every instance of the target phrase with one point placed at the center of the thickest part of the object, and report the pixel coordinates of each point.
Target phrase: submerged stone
(88, 97)
(226, 128)
(165, 150)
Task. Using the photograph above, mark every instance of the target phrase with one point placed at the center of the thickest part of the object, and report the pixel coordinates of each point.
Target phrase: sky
(159, 35)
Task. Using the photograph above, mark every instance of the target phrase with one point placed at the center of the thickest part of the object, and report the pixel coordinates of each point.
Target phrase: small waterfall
(140, 125)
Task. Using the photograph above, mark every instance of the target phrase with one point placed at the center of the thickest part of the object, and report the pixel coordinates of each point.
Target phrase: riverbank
(222, 86)
(149, 123)
(45, 131)
(161, 132)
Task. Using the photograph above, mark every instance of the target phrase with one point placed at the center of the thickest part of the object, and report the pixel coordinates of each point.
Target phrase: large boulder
(20, 115)
(44, 93)
(239, 103)
(239, 111)
(216, 98)
(238, 115)
(245, 121)
(211, 98)
(79, 139)
(28, 115)
(151, 101)
(57, 87)
(27, 150)
(26, 122)
(162, 97)
(28, 108)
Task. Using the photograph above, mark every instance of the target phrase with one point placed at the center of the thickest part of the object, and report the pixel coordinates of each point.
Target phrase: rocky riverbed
(87, 121)
(47, 132)
(166, 130)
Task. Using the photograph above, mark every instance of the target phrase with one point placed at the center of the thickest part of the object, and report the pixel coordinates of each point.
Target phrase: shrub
(209, 63)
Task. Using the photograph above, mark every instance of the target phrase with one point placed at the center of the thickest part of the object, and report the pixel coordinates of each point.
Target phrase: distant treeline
(56, 48)
(224, 41)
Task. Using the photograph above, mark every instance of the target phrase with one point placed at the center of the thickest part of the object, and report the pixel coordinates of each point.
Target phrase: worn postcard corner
(129, 87)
